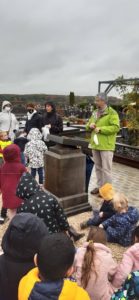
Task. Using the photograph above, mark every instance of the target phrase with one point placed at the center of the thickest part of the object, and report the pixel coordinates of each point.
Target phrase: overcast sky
(58, 46)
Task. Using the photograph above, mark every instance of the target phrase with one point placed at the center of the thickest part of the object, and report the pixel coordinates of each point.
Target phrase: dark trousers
(89, 168)
(96, 220)
(4, 213)
(40, 173)
(23, 160)
(1, 161)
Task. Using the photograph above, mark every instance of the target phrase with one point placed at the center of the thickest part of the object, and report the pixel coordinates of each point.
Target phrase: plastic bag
(45, 132)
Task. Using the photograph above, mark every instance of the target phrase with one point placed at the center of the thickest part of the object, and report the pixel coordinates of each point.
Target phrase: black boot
(74, 234)
(3, 216)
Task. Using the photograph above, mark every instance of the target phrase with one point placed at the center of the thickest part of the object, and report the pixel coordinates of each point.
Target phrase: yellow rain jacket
(4, 144)
(30, 287)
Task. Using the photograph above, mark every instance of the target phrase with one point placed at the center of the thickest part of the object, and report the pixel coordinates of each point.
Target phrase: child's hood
(12, 153)
(81, 252)
(22, 236)
(132, 215)
(27, 187)
(34, 134)
(133, 252)
(4, 103)
(98, 246)
(47, 290)
(59, 290)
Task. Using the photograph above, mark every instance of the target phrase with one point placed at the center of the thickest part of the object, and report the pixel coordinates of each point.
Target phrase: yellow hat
(107, 192)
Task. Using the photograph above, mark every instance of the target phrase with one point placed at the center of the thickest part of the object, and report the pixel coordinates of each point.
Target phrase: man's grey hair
(103, 96)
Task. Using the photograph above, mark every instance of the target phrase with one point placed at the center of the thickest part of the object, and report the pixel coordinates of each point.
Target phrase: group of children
(32, 149)
(23, 149)
(38, 265)
(97, 274)
(100, 275)
(115, 216)
(22, 193)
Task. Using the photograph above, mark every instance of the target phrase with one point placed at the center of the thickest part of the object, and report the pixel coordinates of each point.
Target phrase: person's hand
(101, 214)
(97, 130)
(48, 126)
(92, 126)
(101, 226)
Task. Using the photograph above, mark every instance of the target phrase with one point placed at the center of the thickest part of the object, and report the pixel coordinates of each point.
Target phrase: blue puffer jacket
(46, 291)
(120, 226)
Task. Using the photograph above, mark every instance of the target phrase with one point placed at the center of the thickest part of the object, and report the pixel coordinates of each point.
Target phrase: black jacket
(34, 122)
(41, 203)
(54, 120)
(19, 244)
(107, 209)
(21, 142)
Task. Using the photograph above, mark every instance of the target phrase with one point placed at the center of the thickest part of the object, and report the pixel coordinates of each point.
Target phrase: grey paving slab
(125, 180)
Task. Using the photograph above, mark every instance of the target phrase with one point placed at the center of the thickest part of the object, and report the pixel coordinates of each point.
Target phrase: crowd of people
(39, 258)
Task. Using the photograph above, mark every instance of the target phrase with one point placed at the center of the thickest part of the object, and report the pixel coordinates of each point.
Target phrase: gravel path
(75, 221)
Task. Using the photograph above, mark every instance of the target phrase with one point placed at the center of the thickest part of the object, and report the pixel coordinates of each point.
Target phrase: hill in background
(20, 101)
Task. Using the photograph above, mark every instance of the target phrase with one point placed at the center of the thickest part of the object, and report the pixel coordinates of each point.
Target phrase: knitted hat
(107, 192)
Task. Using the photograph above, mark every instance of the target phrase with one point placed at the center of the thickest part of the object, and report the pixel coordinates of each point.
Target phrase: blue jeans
(95, 220)
(40, 173)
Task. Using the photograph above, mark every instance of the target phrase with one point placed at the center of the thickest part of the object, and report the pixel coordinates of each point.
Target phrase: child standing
(95, 267)
(119, 228)
(10, 173)
(34, 151)
(21, 141)
(4, 142)
(51, 279)
(106, 211)
(129, 263)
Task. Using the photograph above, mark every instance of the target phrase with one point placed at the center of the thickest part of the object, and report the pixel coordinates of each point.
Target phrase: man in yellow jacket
(52, 279)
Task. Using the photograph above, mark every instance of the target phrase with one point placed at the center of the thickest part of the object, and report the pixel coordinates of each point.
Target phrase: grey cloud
(55, 46)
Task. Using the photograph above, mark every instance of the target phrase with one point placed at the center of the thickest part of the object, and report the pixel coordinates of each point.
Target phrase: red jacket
(10, 174)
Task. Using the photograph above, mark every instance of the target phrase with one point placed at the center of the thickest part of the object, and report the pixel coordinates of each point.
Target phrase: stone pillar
(65, 177)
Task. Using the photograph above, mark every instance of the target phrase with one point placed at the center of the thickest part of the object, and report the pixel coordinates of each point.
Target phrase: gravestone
(65, 174)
